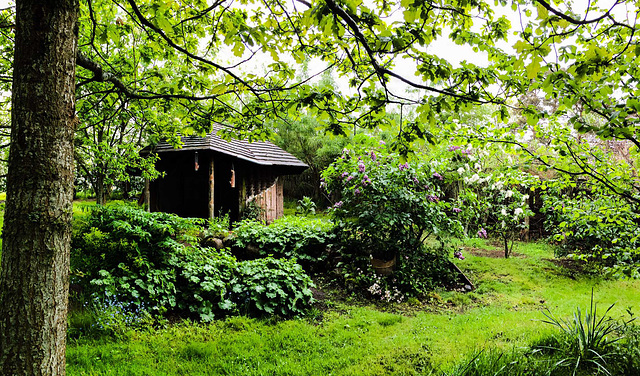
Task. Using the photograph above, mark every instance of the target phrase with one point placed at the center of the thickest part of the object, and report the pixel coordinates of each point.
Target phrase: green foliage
(508, 209)
(387, 208)
(626, 352)
(109, 318)
(584, 342)
(218, 227)
(305, 239)
(599, 229)
(272, 287)
(304, 137)
(252, 211)
(306, 206)
(140, 261)
(415, 273)
(219, 284)
(349, 338)
(490, 201)
(124, 252)
(386, 205)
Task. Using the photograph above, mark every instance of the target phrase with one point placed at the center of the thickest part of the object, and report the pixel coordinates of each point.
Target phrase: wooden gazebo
(210, 176)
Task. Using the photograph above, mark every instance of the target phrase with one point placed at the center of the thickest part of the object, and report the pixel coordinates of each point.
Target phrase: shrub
(124, 252)
(602, 230)
(143, 261)
(626, 352)
(272, 286)
(306, 239)
(508, 209)
(386, 208)
(385, 205)
(416, 272)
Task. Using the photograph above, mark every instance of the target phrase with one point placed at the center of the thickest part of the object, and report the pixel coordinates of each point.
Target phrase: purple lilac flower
(349, 177)
(382, 142)
(466, 152)
(357, 191)
(322, 183)
(373, 156)
(482, 233)
(361, 167)
(454, 148)
(457, 210)
(458, 255)
(404, 166)
(365, 180)
(344, 174)
(415, 180)
(433, 198)
(337, 204)
(437, 176)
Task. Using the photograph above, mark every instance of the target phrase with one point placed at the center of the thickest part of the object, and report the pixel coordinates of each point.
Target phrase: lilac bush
(385, 209)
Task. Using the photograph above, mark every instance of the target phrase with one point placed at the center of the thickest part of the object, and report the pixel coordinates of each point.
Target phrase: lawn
(345, 336)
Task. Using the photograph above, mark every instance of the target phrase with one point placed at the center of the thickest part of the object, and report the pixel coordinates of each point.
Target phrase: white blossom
(503, 212)
(508, 194)
(518, 212)
(461, 171)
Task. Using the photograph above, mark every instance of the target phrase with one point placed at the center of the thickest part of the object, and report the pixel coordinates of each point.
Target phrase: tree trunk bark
(99, 189)
(37, 226)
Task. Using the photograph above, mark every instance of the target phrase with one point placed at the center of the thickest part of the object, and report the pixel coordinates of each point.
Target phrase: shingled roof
(260, 152)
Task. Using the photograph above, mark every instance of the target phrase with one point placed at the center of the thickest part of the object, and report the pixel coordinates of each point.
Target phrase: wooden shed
(210, 176)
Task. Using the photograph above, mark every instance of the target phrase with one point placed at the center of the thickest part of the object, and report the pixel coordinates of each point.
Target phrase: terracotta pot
(383, 267)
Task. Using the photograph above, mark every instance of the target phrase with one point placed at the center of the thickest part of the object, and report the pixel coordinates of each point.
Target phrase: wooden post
(212, 213)
(279, 197)
(147, 195)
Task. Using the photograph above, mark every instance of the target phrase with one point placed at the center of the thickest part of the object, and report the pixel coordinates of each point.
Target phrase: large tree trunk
(37, 228)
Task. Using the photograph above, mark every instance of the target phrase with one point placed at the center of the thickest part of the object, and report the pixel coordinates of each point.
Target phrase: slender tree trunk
(99, 189)
(35, 251)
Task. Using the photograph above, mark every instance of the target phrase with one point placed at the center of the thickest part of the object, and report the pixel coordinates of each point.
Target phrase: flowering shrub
(385, 208)
(493, 202)
(508, 211)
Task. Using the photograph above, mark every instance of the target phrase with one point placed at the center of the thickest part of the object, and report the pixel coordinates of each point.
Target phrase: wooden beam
(212, 213)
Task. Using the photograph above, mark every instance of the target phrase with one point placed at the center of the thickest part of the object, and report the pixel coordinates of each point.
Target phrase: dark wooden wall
(186, 192)
(182, 190)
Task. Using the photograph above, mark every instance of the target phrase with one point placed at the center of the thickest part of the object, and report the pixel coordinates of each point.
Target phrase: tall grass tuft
(585, 341)
(496, 362)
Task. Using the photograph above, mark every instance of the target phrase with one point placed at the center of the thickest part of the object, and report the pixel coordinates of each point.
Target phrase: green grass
(81, 206)
(503, 313)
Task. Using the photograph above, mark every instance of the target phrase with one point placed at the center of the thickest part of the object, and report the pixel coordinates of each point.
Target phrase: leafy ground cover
(344, 336)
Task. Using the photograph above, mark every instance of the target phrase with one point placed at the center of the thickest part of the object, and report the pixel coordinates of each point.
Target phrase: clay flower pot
(383, 267)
